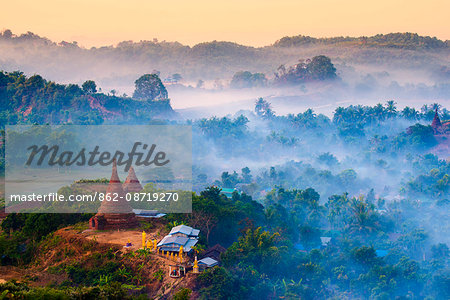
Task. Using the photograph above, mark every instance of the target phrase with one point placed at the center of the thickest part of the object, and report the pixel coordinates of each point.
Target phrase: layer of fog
(194, 103)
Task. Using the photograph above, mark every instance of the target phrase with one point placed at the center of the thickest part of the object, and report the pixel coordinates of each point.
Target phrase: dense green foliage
(28, 100)
(318, 68)
(21, 234)
(150, 87)
(246, 79)
(377, 205)
(219, 218)
(341, 207)
(392, 40)
(13, 290)
(370, 255)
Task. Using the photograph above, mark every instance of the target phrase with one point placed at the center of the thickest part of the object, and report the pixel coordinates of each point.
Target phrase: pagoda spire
(115, 201)
(114, 212)
(132, 184)
(436, 124)
(114, 175)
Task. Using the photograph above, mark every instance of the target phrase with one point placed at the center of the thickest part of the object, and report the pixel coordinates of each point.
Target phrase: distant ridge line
(406, 40)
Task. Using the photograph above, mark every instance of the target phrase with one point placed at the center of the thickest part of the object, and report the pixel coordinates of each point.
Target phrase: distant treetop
(319, 68)
(392, 40)
(150, 87)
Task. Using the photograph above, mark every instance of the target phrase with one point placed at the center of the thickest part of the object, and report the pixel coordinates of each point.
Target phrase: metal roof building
(183, 230)
(207, 262)
(173, 243)
(180, 235)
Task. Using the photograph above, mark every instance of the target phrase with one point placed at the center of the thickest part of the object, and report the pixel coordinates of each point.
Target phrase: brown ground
(120, 238)
(8, 273)
(11, 273)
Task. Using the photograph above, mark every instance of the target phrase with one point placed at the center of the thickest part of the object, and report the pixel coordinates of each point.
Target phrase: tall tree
(89, 87)
(150, 87)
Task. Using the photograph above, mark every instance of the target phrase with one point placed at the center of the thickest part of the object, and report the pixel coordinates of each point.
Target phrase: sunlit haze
(250, 22)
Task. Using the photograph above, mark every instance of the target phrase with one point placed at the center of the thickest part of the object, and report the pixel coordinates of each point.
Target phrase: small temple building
(180, 236)
(116, 214)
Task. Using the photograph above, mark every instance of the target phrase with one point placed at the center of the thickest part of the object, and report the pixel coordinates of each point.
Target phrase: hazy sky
(249, 22)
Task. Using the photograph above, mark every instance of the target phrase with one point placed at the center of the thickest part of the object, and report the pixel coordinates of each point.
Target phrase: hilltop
(398, 40)
(73, 256)
(34, 99)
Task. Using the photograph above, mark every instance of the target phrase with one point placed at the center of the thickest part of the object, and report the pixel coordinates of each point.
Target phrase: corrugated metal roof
(187, 230)
(191, 243)
(208, 261)
(173, 243)
(178, 240)
(325, 240)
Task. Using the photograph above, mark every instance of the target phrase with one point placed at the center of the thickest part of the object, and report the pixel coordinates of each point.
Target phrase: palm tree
(436, 106)
(362, 221)
(425, 108)
(338, 117)
(316, 213)
(410, 113)
(263, 108)
(380, 111)
(391, 108)
(198, 248)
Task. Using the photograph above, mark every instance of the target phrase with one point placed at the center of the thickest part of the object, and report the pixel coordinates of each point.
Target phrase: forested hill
(28, 100)
(406, 40)
(119, 64)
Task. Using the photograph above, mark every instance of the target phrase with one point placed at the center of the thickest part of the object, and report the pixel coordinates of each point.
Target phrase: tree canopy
(149, 87)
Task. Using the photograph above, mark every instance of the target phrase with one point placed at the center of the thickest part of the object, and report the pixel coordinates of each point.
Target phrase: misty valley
(319, 169)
